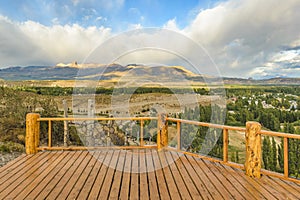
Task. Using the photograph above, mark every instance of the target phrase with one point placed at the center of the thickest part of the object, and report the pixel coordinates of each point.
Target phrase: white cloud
(286, 56)
(30, 43)
(55, 21)
(251, 31)
(171, 25)
(244, 37)
(134, 26)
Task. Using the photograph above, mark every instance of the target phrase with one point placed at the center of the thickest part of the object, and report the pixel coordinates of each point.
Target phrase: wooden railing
(209, 125)
(286, 138)
(252, 131)
(76, 119)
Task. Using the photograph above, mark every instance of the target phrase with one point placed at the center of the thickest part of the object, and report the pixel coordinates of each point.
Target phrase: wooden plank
(87, 187)
(47, 175)
(187, 179)
(117, 178)
(153, 188)
(196, 180)
(99, 182)
(83, 177)
(14, 163)
(75, 176)
(173, 190)
(53, 182)
(66, 177)
(273, 189)
(144, 191)
(254, 184)
(223, 180)
(294, 185)
(244, 191)
(134, 181)
(161, 181)
(125, 183)
(105, 190)
(22, 167)
(37, 179)
(211, 177)
(283, 189)
(17, 178)
(202, 175)
(288, 186)
(182, 187)
(245, 182)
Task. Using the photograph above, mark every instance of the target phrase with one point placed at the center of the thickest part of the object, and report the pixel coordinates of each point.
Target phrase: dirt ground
(137, 104)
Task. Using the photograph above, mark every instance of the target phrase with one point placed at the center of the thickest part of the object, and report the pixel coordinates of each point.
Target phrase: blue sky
(118, 14)
(244, 37)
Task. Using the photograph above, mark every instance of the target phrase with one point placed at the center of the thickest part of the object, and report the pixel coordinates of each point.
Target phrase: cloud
(243, 37)
(171, 25)
(30, 43)
(135, 26)
(249, 32)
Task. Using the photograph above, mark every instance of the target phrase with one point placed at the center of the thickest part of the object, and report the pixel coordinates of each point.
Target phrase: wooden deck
(132, 174)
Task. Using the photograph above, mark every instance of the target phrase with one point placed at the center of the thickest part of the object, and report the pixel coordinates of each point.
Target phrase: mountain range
(115, 72)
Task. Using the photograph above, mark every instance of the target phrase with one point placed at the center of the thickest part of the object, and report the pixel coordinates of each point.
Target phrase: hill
(116, 72)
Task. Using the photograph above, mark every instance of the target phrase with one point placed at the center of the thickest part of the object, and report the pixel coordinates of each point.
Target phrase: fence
(253, 134)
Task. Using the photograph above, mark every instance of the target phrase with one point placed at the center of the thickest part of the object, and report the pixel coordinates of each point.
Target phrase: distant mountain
(131, 72)
(97, 72)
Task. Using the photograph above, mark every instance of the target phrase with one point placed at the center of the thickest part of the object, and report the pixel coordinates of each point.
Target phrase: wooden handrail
(64, 119)
(279, 134)
(226, 128)
(95, 118)
(33, 143)
(210, 125)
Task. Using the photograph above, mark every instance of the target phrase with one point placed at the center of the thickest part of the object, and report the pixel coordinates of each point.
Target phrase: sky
(243, 38)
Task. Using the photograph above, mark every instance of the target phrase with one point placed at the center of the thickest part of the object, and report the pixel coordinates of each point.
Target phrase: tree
(266, 152)
(280, 156)
(274, 155)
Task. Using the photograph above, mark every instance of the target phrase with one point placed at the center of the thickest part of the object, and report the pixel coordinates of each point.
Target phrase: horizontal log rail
(33, 120)
(285, 136)
(210, 125)
(82, 148)
(77, 119)
(279, 134)
(95, 118)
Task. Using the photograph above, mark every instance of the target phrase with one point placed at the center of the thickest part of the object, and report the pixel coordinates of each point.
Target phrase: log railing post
(142, 133)
(49, 133)
(286, 157)
(225, 145)
(162, 131)
(32, 133)
(66, 135)
(178, 136)
(253, 149)
(90, 128)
